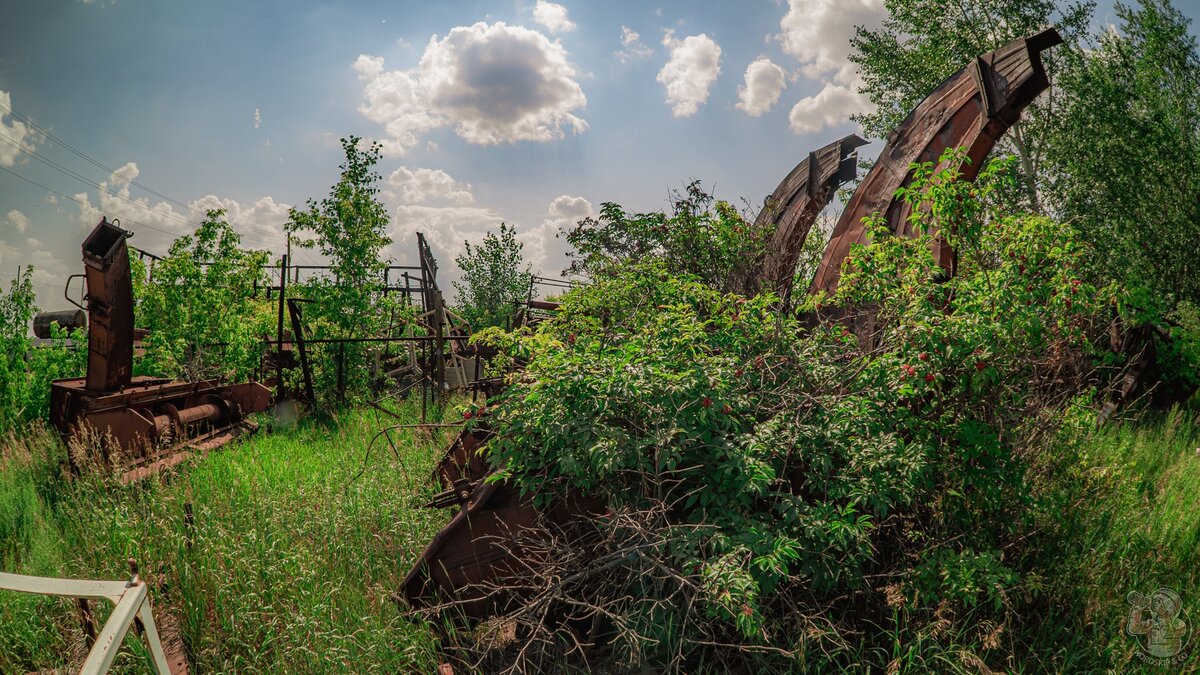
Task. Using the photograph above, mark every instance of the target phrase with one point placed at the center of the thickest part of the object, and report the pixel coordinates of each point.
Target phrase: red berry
(1021, 269)
(571, 338)
(707, 402)
(725, 410)
(929, 377)
(467, 415)
(923, 356)
(737, 373)
(980, 365)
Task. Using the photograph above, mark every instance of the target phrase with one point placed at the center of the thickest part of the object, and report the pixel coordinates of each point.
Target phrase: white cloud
(157, 224)
(632, 47)
(493, 83)
(15, 131)
(17, 220)
(257, 119)
(543, 245)
(689, 74)
(831, 106)
(420, 186)
(817, 33)
(765, 81)
(553, 16)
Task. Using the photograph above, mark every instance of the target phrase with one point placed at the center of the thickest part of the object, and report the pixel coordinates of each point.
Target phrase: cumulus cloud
(817, 33)
(632, 47)
(17, 221)
(831, 106)
(420, 186)
(765, 81)
(553, 16)
(689, 74)
(15, 132)
(492, 83)
(544, 247)
(158, 223)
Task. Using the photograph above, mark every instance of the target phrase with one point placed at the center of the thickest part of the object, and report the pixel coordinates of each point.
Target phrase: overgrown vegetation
(202, 306)
(297, 543)
(495, 276)
(26, 372)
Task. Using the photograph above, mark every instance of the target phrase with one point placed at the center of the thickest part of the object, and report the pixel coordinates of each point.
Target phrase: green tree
(25, 371)
(494, 276)
(702, 236)
(348, 227)
(1125, 165)
(200, 308)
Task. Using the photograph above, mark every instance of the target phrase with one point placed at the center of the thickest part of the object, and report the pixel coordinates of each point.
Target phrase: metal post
(280, 387)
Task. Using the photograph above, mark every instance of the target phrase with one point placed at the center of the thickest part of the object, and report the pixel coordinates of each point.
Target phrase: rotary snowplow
(137, 425)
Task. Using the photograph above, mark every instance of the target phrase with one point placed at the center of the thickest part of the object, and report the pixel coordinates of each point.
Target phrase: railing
(132, 602)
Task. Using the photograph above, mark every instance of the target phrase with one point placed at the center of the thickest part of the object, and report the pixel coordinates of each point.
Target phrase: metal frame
(131, 600)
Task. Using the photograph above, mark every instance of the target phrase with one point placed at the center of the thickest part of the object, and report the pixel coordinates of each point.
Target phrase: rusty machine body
(972, 109)
(138, 423)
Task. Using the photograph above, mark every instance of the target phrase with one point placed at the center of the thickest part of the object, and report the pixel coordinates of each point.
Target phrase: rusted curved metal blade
(790, 211)
(972, 110)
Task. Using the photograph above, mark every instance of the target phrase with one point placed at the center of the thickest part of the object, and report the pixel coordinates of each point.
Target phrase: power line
(87, 181)
(123, 219)
(80, 154)
(105, 168)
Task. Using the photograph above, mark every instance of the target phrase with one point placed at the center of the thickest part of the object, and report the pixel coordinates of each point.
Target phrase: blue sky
(528, 112)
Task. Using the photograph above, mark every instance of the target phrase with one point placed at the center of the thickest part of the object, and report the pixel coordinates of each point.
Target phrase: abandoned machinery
(136, 424)
(971, 109)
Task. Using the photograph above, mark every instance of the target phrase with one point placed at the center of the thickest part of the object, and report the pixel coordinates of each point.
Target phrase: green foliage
(26, 371)
(200, 308)
(797, 464)
(494, 276)
(702, 237)
(349, 228)
(289, 563)
(1126, 157)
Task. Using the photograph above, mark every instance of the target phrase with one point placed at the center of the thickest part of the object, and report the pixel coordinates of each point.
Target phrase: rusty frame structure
(972, 109)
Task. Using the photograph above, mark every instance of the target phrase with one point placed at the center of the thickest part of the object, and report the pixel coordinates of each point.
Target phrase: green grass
(292, 561)
(290, 565)
(1125, 518)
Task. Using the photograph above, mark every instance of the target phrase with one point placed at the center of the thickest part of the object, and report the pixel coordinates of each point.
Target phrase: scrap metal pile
(972, 109)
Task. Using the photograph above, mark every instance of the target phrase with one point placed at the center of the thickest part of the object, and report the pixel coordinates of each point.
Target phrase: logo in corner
(1159, 624)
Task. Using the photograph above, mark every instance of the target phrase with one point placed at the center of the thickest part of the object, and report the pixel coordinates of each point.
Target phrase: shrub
(773, 489)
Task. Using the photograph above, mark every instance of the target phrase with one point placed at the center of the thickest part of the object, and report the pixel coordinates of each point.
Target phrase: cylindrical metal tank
(68, 319)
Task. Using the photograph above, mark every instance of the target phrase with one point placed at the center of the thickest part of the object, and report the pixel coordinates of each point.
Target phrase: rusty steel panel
(788, 214)
(972, 109)
(110, 307)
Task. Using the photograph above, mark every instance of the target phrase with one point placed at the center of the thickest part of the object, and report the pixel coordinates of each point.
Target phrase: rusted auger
(138, 423)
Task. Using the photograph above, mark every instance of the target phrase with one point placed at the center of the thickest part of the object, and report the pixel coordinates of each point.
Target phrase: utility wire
(28, 122)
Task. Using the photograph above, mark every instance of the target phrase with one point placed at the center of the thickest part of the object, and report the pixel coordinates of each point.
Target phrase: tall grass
(296, 544)
(1123, 516)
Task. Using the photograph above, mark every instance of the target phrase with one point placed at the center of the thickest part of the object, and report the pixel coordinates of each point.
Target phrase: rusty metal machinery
(791, 210)
(138, 424)
(972, 110)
